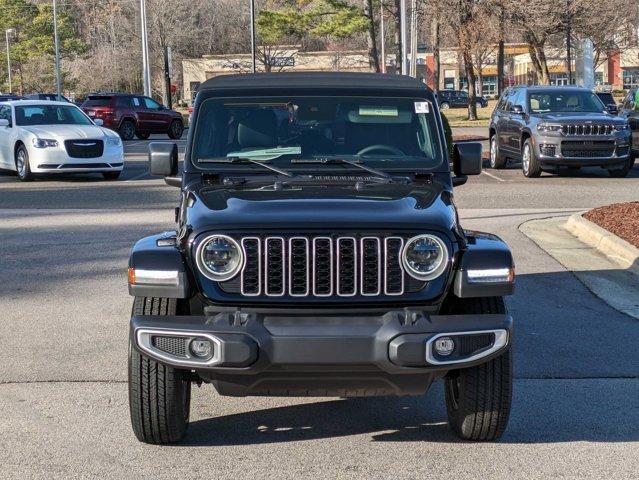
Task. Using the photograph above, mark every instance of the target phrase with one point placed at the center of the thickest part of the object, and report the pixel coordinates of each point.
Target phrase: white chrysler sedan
(39, 137)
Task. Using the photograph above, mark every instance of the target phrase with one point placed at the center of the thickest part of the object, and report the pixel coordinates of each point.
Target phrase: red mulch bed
(622, 219)
(469, 138)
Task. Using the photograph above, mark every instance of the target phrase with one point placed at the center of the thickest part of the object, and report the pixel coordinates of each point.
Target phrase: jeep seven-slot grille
(322, 266)
(586, 129)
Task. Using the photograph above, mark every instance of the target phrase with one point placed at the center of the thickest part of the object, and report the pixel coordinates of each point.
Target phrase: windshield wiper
(343, 161)
(239, 159)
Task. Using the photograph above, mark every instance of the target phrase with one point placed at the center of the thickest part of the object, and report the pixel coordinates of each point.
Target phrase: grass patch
(458, 117)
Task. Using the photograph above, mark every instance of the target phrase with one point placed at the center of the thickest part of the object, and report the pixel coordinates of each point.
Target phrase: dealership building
(618, 69)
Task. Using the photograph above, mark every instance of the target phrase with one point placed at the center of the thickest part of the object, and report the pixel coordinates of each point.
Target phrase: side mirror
(99, 122)
(612, 108)
(4, 122)
(466, 161)
(517, 109)
(163, 159)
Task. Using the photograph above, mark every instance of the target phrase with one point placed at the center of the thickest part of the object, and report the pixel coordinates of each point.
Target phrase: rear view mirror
(467, 158)
(99, 122)
(163, 159)
(4, 122)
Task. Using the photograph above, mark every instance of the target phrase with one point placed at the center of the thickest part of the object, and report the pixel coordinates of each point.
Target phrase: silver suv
(553, 128)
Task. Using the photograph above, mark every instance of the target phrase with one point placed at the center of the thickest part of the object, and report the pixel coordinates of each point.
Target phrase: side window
(509, 101)
(137, 102)
(151, 104)
(124, 102)
(5, 113)
(502, 101)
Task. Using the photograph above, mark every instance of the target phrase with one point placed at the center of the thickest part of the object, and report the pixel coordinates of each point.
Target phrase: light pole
(9, 33)
(146, 66)
(252, 13)
(403, 36)
(56, 39)
(381, 31)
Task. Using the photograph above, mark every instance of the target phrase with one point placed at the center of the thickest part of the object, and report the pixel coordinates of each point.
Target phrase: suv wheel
(159, 396)
(22, 164)
(497, 160)
(625, 170)
(529, 163)
(444, 105)
(176, 130)
(127, 130)
(478, 398)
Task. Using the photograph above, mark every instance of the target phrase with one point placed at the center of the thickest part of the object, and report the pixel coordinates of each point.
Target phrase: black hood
(324, 207)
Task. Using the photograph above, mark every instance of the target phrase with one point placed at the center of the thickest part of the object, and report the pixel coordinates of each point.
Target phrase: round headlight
(219, 257)
(425, 257)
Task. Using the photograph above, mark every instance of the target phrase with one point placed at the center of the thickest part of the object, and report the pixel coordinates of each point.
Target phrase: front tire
(497, 160)
(111, 175)
(23, 167)
(159, 396)
(444, 105)
(529, 163)
(478, 399)
(625, 170)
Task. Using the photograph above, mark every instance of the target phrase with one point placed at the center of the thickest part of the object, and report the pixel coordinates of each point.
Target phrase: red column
(614, 69)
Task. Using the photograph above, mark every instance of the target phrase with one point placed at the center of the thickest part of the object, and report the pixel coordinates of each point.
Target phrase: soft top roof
(314, 80)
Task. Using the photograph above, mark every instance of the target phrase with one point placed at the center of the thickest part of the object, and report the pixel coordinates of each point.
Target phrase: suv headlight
(219, 257)
(546, 127)
(622, 127)
(425, 257)
(114, 141)
(44, 143)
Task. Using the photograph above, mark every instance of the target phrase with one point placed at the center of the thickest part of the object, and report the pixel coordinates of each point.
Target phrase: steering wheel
(382, 148)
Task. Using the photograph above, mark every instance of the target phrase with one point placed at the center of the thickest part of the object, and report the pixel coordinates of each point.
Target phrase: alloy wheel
(21, 163)
(525, 160)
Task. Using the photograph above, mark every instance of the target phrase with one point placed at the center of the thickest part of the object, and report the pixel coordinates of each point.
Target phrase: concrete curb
(606, 242)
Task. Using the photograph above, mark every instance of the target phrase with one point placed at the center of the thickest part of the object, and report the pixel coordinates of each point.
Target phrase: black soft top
(314, 80)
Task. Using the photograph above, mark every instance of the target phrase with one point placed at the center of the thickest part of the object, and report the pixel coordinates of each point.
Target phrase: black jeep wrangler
(318, 252)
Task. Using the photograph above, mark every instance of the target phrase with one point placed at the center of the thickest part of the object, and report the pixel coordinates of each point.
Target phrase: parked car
(7, 97)
(629, 110)
(318, 251)
(553, 128)
(458, 99)
(609, 101)
(43, 137)
(134, 115)
(53, 97)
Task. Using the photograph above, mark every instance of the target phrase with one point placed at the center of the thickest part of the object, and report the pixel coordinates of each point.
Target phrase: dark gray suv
(553, 128)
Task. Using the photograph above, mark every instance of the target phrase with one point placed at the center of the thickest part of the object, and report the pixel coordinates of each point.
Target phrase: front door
(7, 138)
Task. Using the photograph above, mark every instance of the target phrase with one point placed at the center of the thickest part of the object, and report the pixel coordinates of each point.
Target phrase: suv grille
(84, 148)
(321, 266)
(584, 149)
(586, 129)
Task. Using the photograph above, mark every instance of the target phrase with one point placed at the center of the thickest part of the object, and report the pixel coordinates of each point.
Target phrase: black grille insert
(172, 345)
(84, 148)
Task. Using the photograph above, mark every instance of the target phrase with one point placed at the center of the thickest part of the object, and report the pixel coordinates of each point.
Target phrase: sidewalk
(614, 284)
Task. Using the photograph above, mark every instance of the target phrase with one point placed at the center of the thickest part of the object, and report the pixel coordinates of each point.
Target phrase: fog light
(201, 347)
(444, 346)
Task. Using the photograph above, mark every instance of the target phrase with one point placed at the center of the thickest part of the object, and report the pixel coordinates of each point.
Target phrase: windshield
(389, 132)
(569, 101)
(50, 115)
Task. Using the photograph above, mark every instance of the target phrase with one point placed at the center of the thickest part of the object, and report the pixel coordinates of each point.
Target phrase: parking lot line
(493, 176)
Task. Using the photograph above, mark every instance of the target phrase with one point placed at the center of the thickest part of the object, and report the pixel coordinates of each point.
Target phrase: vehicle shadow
(544, 411)
(584, 172)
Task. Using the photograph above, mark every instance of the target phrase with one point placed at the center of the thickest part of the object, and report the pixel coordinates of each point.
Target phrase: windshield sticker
(266, 154)
(377, 111)
(421, 107)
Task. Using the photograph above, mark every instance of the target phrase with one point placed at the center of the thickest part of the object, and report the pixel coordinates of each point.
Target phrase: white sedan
(38, 137)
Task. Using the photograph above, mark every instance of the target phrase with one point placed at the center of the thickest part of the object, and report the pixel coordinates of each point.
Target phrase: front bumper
(549, 151)
(386, 353)
(56, 160)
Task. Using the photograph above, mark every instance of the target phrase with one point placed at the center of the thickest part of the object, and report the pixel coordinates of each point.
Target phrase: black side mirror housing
(163, 159)
(467, 158)
(517, 109)
(612, 108)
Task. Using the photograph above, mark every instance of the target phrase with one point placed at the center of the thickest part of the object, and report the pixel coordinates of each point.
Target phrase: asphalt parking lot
(64, 244)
